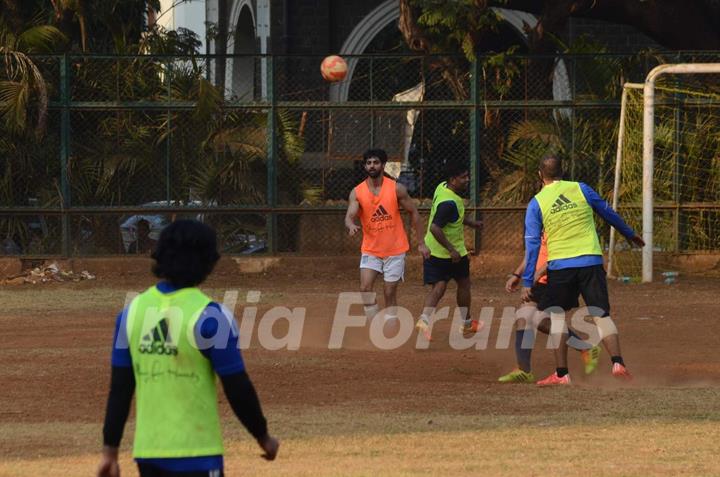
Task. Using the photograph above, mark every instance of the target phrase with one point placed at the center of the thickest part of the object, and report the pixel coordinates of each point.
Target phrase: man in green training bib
(170, 344)
(448, 259)
(564, 211)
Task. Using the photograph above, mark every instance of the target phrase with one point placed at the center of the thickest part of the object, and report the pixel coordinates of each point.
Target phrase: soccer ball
(333, 68)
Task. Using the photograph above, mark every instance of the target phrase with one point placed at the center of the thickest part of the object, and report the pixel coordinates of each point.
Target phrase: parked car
(234, 242)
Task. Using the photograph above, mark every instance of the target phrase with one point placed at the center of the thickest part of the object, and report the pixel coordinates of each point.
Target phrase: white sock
(464, 314)
(371, 310)
(391, 313)
(426, 318)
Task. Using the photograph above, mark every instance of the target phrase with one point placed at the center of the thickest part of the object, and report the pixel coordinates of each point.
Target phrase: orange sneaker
(554, 380)
(621, 372)
(471, 327)
(423, 327)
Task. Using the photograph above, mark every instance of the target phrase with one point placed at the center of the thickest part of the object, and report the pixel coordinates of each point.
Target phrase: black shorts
(564, 286)
(538, 291)
(443, 269)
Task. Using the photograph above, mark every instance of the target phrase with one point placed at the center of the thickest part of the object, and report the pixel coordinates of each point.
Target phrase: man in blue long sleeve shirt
(168, 334)
(564, 210)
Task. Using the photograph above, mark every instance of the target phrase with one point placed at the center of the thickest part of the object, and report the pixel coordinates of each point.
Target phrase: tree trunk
(12, 13)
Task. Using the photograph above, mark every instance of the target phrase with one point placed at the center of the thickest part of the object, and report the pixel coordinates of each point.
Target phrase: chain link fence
(267, 152)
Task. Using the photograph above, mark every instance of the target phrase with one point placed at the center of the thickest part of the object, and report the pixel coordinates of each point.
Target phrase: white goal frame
(648, 153)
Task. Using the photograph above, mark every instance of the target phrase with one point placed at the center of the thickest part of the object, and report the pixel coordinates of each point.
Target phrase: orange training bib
(542, 259)
(383, 231)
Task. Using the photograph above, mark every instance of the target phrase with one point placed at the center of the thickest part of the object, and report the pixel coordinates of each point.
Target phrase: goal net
(685, 151)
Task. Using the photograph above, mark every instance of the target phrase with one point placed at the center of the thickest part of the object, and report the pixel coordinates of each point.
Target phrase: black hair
(551, 167)
(379, 153)
(186, 253)
(454, 168)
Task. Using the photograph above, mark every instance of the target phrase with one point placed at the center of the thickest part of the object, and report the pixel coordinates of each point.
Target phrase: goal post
(649, 149)
(667, 175)
(618, 168)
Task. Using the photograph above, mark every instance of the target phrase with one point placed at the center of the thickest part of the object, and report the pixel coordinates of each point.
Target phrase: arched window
(240, 74)
(389, 11)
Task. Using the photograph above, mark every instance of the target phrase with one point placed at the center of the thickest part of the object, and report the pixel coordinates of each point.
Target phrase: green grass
(339, 441)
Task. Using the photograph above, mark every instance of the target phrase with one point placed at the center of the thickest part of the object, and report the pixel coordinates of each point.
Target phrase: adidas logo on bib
(159, 341)
(562, 203)
(380, 215)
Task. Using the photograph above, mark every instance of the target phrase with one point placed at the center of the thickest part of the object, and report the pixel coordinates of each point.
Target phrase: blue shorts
(150, 470)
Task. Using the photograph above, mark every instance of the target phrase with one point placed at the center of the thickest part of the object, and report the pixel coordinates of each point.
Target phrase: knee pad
(557, 323)
(606, 326)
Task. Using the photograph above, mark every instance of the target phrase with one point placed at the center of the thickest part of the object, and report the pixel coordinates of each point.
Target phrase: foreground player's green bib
(176, 398)
(453, 231)
(568, 221)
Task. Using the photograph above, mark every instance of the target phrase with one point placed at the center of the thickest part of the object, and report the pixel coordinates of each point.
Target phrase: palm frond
(238, 141)
(40, 39)
(208, 97)
(13, 104)
(534, 130)
(293, 145)
(21, 69)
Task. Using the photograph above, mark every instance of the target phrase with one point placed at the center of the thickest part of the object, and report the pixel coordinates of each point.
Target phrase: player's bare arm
(439, 235)
(408, 204)
(526, 294)
(514, 280)
(468, 222)
(352, 213)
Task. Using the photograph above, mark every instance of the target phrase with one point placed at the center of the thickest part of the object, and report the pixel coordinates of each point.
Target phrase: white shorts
(392, 267)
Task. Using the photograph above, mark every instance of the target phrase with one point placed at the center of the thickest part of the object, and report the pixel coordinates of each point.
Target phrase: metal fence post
(271, 158)
(168, 141)
(573, 86)
(475, 150)
(372, 110)
(65, 154)
(676, 169)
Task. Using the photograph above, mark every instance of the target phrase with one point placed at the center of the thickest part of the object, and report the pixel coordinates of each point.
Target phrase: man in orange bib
(376, 201)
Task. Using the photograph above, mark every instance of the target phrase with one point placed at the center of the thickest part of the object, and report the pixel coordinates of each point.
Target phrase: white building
(248, 33)
(188, 14)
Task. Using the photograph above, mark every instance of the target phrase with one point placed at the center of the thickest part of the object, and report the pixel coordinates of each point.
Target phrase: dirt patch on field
(55, 344)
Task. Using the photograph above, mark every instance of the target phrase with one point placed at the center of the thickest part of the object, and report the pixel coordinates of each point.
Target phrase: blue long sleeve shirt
(534, 230)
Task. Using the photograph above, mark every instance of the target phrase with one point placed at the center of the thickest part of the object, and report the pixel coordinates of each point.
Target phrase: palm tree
(216, 155)
(21, 81)
(584, 138)
(589, 141)
(24, 163)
